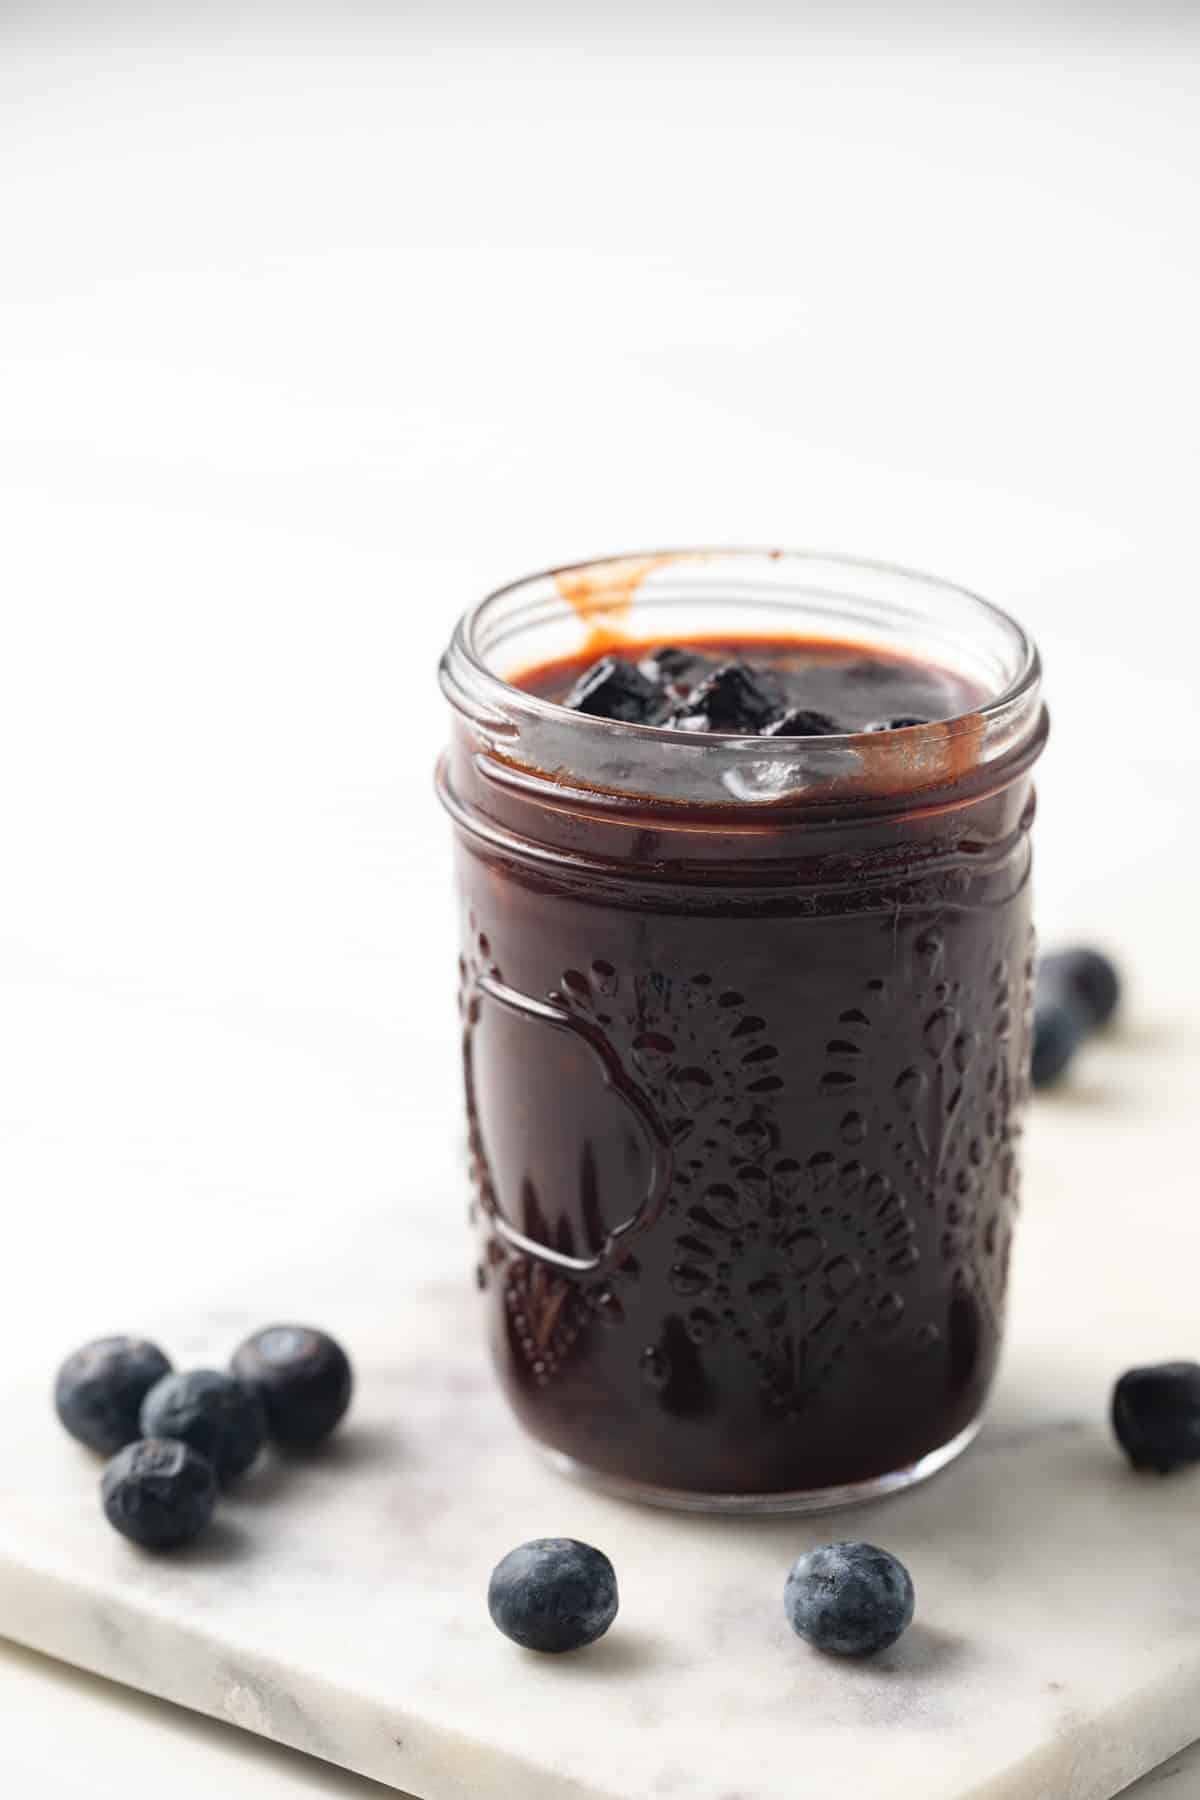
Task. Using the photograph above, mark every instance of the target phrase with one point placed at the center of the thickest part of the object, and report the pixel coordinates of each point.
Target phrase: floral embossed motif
(793, 1221)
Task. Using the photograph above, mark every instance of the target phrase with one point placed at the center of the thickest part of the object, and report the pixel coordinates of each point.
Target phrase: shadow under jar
(745, 1032)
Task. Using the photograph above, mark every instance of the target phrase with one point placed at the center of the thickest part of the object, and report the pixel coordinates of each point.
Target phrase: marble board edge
(139, 1647)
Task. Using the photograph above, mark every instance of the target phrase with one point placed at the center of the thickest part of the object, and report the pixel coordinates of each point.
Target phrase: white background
(315, 323)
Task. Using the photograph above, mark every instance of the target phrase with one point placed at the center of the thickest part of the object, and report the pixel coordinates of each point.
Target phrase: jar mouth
(605, 586)
(589, 607)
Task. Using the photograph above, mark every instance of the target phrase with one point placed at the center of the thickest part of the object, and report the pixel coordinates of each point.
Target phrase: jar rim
(840, 599)
(466, 652)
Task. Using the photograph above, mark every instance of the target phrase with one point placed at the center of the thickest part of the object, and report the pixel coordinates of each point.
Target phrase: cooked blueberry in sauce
(771, 687)
(671, 667)
(615, 689)
(733, 698)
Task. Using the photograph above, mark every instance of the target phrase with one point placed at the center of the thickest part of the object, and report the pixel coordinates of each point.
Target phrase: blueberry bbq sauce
(745, 992)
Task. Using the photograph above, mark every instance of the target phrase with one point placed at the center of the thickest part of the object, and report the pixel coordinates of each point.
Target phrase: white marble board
(339, 1605)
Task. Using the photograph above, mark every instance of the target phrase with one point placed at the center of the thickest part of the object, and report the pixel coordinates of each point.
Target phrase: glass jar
(745, 1038)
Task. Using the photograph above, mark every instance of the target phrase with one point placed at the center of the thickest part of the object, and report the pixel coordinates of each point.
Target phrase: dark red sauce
(744, 1087)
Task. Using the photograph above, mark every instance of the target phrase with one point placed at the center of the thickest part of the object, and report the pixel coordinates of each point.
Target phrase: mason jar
(745, 1036)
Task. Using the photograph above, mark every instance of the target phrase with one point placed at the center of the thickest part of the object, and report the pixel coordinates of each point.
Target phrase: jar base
(764, 1506)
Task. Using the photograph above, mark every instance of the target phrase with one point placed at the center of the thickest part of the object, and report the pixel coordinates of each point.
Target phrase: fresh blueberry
(303, 1379)
(1087, 979)
(553, 1594)
(801, 721)
(99, 1390)
(614, 689)
(849, 1599)
(158, 1492)
(903, 723)
(1057, 1034)
(1156, 1415)
(217, 1415)
(733, 698)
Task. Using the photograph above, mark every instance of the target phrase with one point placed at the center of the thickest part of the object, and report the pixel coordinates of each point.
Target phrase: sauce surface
(851, 687)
